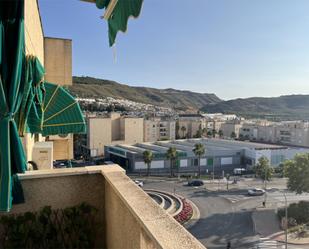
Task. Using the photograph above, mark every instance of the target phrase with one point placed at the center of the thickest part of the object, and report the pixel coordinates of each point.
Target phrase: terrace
(128, 217)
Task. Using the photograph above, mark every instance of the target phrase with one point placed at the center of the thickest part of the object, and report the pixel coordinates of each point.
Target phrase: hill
(287, 107)
(181, 100)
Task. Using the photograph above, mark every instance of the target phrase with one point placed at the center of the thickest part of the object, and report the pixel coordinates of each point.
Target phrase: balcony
(130, 218)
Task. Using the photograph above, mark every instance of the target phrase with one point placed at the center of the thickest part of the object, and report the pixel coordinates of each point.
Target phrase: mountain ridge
(169, 97)
(285, 107)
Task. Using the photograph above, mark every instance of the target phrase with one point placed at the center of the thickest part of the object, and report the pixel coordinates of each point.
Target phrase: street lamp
(286, 220)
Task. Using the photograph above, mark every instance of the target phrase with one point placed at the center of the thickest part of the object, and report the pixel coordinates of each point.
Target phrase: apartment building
(56, 56)
(157, 129)
(231, 128)
(293, 132)
(189, 125)
(289, 132)
(114, 129)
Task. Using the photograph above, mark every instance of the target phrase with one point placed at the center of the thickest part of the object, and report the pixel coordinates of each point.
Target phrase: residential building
(160, 128)
(295, 133)
(56, 56)
(230, 129)
(114, 129)
(190, 125)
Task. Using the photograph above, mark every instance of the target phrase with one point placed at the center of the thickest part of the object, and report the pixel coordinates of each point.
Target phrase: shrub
(72, 227)
(298, 211)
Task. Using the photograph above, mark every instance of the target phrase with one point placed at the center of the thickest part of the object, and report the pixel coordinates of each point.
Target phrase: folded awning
(117, 13)
(61, 112)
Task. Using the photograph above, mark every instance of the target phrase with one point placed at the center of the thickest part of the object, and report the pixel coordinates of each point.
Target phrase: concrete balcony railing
(130, 218)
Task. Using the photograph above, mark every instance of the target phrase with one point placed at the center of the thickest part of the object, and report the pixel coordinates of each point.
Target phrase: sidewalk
(265, 222)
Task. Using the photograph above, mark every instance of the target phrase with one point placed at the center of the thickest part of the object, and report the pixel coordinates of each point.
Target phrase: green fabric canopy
(12, 51)
(118, 20)
(61, 112)
(30, 114)
(47, 108)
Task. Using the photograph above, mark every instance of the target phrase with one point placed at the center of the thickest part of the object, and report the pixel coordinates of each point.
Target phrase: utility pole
(213, 172)
(286, 221)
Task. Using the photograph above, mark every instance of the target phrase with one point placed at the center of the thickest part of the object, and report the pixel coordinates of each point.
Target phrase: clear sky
(233, 48)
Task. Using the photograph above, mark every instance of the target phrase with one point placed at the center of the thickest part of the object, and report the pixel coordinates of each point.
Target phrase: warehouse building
(221, 155)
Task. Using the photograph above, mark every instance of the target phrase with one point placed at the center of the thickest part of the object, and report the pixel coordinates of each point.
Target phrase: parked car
(139, 183)
(196, 183)
(256, 192)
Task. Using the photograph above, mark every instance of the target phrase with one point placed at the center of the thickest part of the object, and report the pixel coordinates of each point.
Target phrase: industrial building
(221, 155)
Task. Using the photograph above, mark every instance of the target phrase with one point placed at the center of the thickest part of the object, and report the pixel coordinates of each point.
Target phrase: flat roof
(187, 145)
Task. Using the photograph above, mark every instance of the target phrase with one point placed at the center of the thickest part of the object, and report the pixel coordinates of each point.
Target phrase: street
(225, 216)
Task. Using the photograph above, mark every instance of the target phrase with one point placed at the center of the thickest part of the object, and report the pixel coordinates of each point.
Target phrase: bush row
(298, 211)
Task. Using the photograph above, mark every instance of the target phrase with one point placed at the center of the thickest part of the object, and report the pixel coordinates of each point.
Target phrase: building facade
(57, 61)
(115, 129)
(157, 129)
(221, 155)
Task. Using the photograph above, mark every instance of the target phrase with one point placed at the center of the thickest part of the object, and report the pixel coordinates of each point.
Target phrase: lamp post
(286, 220)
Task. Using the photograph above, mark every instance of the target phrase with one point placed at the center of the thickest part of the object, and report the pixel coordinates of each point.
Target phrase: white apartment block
(290, 132)
(157, 129)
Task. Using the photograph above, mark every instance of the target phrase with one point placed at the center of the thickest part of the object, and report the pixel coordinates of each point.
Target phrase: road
(225, 215)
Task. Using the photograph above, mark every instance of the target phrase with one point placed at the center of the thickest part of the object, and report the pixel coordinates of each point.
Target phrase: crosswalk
(266, 243)
(235, 198)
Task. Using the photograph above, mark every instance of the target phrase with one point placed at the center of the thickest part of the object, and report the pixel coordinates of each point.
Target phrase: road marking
(267, 243)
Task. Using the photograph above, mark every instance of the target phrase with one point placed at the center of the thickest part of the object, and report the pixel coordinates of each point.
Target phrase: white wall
(203, 162)
(226, 160)
(184, 163)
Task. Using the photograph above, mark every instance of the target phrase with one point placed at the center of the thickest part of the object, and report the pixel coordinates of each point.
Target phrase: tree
(171, 154)
(148, 157)
(241, 137)
(214, 132)
(220, 133)
(297, 172)
(204, 131)
(177, 129)
(199, 150)
(263, 169)
(233, 135)
(209, 134)
(183, 129)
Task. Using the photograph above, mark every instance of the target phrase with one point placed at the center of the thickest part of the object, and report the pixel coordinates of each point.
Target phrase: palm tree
(220, 133)
(204, 131)
(183, 129)
(233, 135)
(199, 150)
(148, 157)
(171, 154)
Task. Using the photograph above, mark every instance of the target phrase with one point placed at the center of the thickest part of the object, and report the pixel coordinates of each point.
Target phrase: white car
(256, 192)
(139, 183)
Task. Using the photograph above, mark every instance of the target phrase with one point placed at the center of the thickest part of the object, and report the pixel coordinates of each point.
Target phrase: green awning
(30, 113)
(61, 112)
(12, 51)
(118, 18)
(47, 108)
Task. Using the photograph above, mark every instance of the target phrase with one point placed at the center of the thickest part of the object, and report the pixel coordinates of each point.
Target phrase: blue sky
(233, 48)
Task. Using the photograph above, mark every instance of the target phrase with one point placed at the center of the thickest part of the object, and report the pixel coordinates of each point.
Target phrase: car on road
(256, 192)
(139, 183)
(196, 183)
